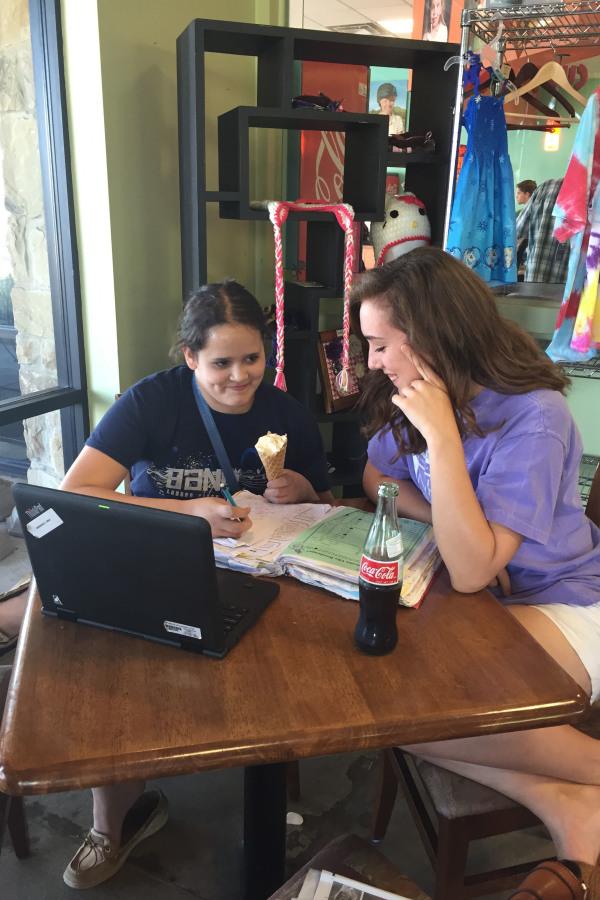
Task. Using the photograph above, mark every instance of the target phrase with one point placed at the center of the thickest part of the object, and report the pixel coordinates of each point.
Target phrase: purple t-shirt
(525, 475)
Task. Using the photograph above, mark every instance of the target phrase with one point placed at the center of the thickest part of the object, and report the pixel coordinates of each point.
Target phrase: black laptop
(135, 569)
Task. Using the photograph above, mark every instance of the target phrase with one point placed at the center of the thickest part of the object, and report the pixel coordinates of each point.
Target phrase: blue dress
(482, 229)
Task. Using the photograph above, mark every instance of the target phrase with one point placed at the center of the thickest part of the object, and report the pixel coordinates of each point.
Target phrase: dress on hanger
(577, 219)
(482, 229)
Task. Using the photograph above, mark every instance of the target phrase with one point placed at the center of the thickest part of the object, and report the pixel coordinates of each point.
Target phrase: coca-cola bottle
(380, 577)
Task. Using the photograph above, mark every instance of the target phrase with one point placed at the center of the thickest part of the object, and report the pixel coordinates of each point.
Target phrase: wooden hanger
(520, 127)
(551, 71)
(557, 121)
(529, 71)
(516, 120)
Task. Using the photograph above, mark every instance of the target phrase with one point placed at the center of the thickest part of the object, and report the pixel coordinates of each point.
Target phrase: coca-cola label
(375, 571)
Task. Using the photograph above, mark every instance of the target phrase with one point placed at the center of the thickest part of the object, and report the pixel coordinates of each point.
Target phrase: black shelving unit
(276, 51)
(366, 159)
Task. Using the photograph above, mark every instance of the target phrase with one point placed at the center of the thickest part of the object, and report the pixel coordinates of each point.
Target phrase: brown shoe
(555, 880)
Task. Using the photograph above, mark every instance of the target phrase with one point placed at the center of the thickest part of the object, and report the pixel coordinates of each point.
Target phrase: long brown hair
(450, 318)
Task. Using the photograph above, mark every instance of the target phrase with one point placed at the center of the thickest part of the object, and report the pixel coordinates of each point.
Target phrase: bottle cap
(387, 489)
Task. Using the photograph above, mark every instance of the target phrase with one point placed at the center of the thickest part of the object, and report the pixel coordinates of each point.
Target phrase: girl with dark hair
(468, 417)
(154, 433)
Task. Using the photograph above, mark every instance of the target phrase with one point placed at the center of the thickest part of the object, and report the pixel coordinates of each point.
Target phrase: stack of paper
(322, 545)
(323, 885)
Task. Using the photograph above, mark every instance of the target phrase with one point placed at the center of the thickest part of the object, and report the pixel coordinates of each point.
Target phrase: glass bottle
(380, 576)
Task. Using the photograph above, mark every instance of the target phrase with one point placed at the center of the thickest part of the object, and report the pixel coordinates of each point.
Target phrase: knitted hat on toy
(405, 226)
(344, 215)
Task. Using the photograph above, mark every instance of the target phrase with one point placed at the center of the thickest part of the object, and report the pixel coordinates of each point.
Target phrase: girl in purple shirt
(468, 416)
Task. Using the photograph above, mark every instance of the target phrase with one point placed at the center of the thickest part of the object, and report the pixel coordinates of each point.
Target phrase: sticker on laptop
(44, 523)
(184, 630)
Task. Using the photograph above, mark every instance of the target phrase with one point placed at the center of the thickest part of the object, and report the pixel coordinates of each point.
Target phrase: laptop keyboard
(232, 615)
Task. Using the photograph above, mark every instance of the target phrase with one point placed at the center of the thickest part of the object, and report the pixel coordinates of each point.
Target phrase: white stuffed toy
(404, 227)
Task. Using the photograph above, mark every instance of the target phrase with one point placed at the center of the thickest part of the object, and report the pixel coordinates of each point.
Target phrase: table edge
(186, 760)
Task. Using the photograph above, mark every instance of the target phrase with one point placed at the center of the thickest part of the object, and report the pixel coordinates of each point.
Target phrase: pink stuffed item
(404, 227)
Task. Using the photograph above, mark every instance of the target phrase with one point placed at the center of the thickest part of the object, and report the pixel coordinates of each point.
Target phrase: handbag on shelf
(408, 142)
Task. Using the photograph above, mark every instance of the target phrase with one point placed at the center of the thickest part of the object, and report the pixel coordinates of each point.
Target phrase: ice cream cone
(271, 449)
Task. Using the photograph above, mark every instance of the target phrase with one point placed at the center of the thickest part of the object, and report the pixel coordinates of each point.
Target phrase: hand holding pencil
(223, 518)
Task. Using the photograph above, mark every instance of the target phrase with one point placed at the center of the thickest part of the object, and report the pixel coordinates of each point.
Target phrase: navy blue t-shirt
(156, 432)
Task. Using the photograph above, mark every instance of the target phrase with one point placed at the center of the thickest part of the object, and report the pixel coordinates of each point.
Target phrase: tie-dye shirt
(577, 220)
(525, 476)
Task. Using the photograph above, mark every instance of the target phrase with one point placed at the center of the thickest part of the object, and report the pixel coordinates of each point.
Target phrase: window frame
(70, 397)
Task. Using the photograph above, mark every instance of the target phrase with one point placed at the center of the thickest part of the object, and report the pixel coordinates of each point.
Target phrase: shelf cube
(364, 158)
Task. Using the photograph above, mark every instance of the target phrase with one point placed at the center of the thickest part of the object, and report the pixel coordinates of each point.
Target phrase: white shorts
(581, 627)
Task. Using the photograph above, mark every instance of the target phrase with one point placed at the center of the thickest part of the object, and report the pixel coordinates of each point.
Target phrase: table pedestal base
(265, 806)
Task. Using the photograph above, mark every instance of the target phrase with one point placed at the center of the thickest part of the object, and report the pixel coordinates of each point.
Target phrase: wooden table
(89, 707)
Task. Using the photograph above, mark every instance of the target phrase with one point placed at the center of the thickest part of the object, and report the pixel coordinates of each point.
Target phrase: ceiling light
(361, 28)
(552, 140)
(397, 26)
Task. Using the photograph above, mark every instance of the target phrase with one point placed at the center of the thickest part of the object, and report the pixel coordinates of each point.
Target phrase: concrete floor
(199, 853)
(16, 564)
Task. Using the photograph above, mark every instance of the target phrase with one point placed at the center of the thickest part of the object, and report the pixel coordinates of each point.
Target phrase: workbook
(322, 545)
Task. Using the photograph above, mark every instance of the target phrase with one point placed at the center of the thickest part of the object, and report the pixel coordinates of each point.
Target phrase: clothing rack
(552, 26)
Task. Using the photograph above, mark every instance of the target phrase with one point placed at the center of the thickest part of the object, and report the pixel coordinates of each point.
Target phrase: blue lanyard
(215, 437)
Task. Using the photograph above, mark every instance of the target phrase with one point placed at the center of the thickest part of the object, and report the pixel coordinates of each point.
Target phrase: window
(41, 353)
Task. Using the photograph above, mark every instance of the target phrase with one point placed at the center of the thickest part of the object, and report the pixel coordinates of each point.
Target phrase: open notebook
(322, 545)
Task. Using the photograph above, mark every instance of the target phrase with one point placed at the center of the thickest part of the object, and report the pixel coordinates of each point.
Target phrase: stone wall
(20, 174)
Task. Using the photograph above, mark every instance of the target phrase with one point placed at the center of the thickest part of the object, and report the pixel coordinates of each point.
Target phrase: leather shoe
(555, 880)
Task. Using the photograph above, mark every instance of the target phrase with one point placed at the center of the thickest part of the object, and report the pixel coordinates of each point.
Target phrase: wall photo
(436, 20)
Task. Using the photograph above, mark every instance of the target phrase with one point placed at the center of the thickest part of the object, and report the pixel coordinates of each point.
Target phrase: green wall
(120, 62)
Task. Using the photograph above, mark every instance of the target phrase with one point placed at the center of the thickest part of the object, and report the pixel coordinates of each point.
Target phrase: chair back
(592, 509)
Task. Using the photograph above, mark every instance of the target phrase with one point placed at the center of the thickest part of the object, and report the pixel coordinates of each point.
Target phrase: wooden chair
(451, 811)
(12, 811)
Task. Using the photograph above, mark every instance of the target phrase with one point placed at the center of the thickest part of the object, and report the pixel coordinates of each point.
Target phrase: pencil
(227, 495)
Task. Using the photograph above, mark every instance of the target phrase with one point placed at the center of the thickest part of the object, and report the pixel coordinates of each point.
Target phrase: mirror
(540, 158)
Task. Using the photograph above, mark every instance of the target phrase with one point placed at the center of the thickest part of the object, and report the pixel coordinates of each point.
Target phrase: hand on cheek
(425, 401)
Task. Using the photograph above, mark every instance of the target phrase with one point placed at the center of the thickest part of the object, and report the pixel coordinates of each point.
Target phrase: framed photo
(330, 360)
(388, 96)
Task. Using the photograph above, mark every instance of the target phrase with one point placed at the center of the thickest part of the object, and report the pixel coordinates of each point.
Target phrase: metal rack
(587, 469)
(552, 26)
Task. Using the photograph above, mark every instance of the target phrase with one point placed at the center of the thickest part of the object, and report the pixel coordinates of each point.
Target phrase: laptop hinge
(66, 614)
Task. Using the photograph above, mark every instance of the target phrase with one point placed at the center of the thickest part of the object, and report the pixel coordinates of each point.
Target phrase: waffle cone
(274, 463)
